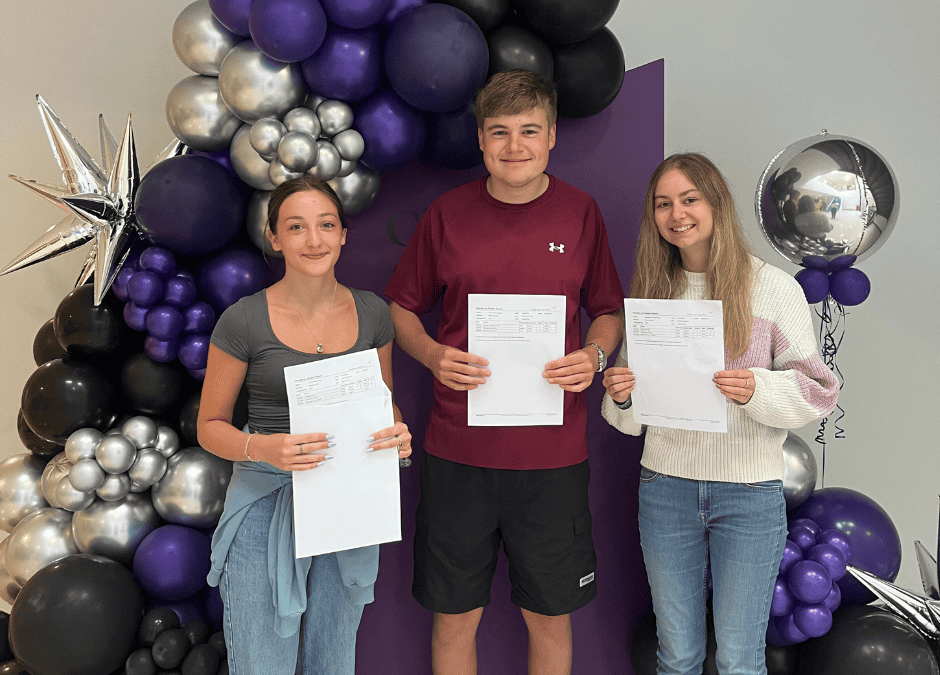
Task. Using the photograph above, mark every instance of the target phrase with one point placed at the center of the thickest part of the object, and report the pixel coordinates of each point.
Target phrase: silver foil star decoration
(922, 612)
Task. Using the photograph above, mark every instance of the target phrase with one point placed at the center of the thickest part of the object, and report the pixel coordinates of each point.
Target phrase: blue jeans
(326, 642)
(741, 528)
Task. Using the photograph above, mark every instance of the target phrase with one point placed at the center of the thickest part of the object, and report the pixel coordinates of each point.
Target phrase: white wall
(743, 81)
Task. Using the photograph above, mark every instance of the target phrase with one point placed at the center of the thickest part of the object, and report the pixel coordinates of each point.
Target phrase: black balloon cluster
(168, 646)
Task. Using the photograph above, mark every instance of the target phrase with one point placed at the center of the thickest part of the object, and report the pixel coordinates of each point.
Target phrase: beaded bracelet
(247, 456)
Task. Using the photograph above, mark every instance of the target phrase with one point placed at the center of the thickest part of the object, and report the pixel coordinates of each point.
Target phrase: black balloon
(150, 387)
(64, 395)
(155, 622)
(190, 411)
(5, 652)
(140, 662)
(515, 47)
(13, 668)
(217, 642)
(201, 660)
(486, 13)
(170, 648)
(566, 21)
(588, 74)
(40, 447)
(85, 330)
(866, 640)
(453, 142)
(77, 616)
(196, 631)
(45, 345)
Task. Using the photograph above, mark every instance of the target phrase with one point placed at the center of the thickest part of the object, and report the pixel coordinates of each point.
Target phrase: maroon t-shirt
(469, 242)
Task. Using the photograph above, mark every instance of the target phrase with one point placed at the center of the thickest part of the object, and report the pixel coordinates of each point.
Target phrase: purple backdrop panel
(610, 155)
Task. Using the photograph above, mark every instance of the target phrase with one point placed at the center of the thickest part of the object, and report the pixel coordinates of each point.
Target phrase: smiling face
(515, 151)
(308, 233)
(684, 218)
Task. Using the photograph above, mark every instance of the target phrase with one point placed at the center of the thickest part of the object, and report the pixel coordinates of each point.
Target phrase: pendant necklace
(304, 321)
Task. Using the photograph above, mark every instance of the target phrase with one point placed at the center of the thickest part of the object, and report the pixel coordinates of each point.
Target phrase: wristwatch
(601, 356)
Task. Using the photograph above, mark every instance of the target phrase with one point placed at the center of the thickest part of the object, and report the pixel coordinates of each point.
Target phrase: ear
(342, 242)
(480, 138)
(272, 238)
(551, 137)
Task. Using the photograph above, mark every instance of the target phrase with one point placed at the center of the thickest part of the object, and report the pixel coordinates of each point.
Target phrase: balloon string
(831, 333)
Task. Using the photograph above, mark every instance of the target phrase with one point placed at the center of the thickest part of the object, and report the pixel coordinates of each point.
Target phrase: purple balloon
(782, 602)
(802, 536)
(194, 349)
(792, 554)
(347, 66)
(158, 260)
(233, 14)
(834, 599)
(186, 274)
(221, 157)
(809, 582)
(837, 539)
(841, 263)
(849, 286)
(180, 292)
(145, 288)
(453, 142)
(813, 620)
(829, 557)
(135, 316)
(187, 609)
(214, 608)
(171, 563)
(436, 57)
(287, 30)
(393, 131)
(191, 205)
(356, 13)
(199, 317)
(773, 634)
(232, 274)
(815, 262)
(120, 282)
(788, 630)
(815, 284)
(876, 547)
(161, 351)
(807, 523)
(198, 374)
(398, 8)
(164, 322)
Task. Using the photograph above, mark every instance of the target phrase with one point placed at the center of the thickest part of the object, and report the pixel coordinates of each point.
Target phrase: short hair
(302, 184)
(516, 91)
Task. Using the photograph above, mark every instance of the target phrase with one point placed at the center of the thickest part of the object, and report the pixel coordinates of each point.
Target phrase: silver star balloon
(922, 612)
(928, 571)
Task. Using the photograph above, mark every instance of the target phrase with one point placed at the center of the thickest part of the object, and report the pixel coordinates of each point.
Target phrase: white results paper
(674, 348)
(518, 335)
(352, 500)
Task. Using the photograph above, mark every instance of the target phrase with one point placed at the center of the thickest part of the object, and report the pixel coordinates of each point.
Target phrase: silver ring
(745, 383)
(300, 449)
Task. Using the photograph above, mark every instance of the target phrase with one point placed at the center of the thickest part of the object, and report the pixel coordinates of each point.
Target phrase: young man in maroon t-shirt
(517, 231)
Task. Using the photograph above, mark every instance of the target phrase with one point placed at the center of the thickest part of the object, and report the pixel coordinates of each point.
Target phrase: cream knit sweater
(792, 388)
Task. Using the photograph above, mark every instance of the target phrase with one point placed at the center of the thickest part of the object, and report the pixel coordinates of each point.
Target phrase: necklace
(307, 326)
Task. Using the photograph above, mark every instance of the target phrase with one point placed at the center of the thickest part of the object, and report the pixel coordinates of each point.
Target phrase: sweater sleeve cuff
(626, 405)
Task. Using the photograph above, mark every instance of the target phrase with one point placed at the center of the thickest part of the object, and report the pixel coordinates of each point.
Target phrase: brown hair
(516, 91)
(728, 274)
(302, 184)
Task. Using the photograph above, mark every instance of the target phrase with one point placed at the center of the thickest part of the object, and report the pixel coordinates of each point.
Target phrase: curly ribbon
(831, 332)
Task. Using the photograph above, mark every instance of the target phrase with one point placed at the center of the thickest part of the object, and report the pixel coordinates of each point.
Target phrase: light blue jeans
(741, 528)
(326, 643)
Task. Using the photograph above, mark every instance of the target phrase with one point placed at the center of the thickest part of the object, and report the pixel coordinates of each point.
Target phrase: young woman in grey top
(277, 608)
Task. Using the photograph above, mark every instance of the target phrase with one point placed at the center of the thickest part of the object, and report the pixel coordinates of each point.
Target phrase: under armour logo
(552, 248)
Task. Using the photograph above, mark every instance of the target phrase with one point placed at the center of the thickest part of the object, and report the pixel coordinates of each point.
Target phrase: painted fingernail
(370, 449)
(326, 458)
(330, 437)
(331, 445)
(370, 439)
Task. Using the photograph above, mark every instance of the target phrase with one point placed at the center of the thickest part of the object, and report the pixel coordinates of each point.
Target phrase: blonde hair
(728, 274)
(516, 91)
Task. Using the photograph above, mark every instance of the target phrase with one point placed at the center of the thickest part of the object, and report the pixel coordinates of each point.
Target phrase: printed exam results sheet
(674, 348)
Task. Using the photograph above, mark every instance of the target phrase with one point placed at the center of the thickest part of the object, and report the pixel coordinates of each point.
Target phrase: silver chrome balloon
(82, 443)
(20, 489)
(255, 86)
(303, 119)
(116, 431)
(135, 487)
(198, 116)
(200, 41)
(799, 471)
(115, 487)
(192, 492)
(313, 100)
(115, 529)
(57, 469)
(86, 475)
(328, 162)
(40, 539)
(357, 190)
(827, 196)
(334, 116)
(116, 453)
(70, 499)
(148, 468)
(264, 135)
(278, 173)
(141, 431)
(256, 222)
(251, 167)
(346, 167)
(9, 589)
(168, 441)
(349, 143)
(297, 151)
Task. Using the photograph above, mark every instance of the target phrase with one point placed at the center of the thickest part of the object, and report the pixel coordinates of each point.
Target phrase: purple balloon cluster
(162, 300)
(806, 593)
(821, 277)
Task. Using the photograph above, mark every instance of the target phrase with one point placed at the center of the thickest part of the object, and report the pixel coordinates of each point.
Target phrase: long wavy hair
(728, 274)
